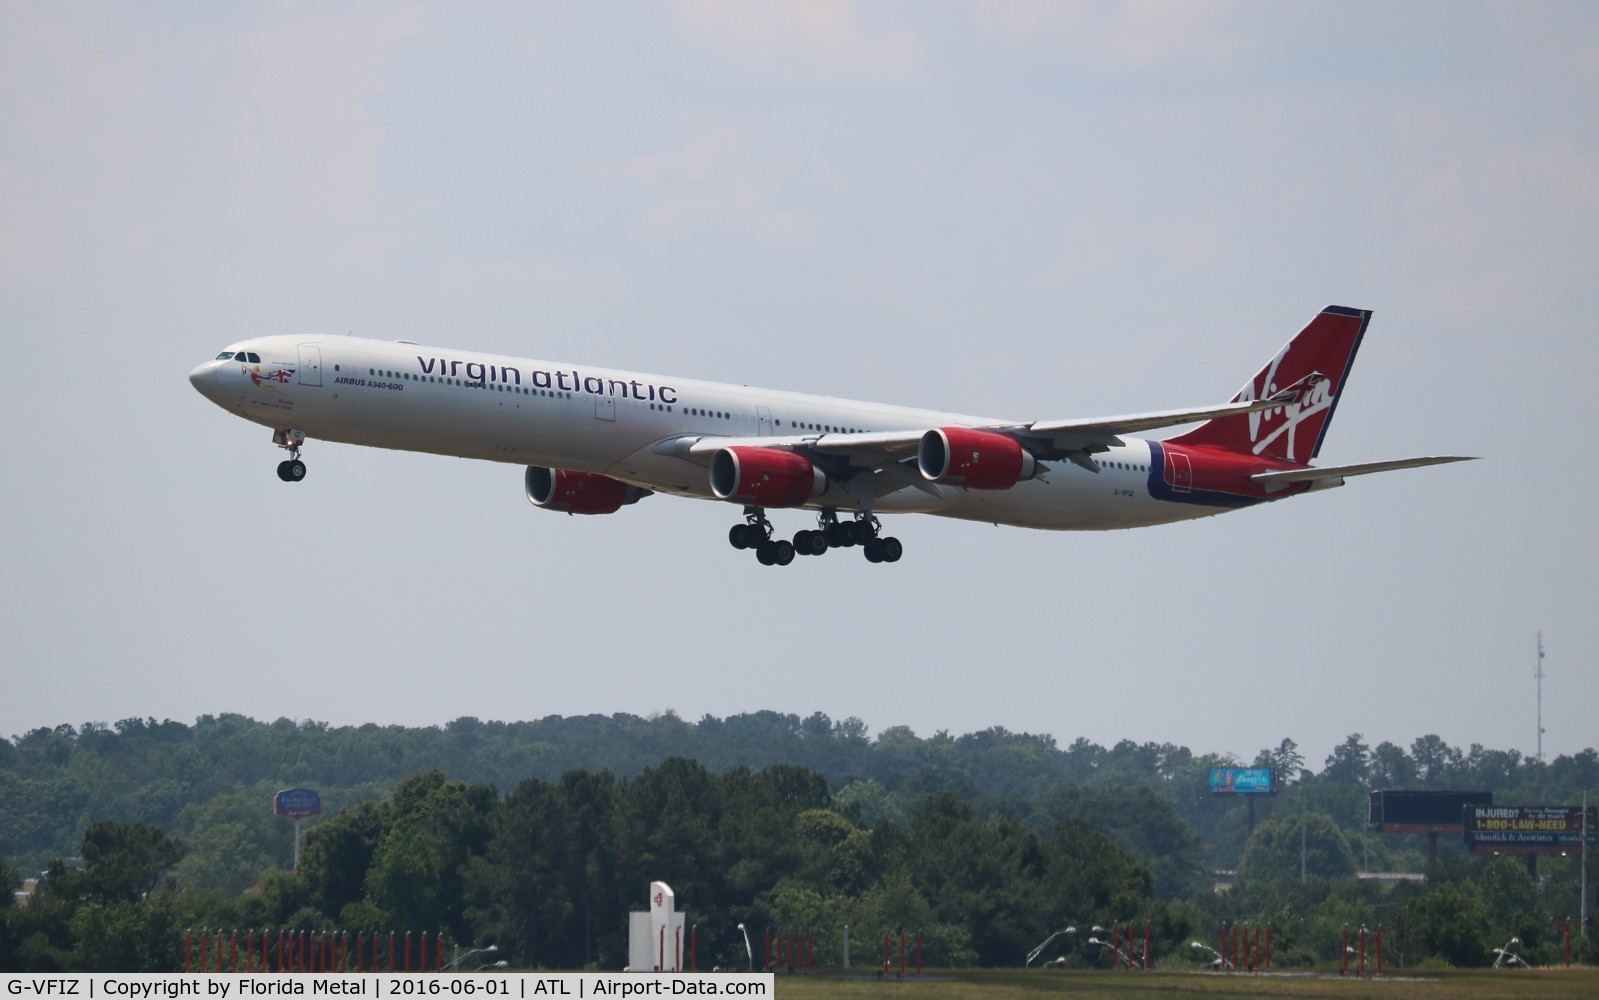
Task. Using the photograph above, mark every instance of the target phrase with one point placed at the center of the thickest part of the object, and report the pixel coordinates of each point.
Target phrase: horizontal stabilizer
(1344, 471)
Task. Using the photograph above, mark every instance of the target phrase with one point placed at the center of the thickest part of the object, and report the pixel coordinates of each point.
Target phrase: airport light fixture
(1220, 960)
(1033, 955)
(1116, 952)
(1505, 957)
(458, 957)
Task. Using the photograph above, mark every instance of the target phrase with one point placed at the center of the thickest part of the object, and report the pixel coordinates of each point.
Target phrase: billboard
(1243, 781)
(1422, 812)
(1528, 829)
(296, 803)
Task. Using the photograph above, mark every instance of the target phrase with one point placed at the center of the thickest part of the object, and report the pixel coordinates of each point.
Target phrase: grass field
(1016, 984)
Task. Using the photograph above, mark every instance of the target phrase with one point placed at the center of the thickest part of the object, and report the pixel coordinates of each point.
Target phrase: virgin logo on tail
(1304, 399)
(1298, 375)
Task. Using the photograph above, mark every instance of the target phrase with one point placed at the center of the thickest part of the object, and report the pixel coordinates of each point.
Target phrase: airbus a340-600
(594, 439)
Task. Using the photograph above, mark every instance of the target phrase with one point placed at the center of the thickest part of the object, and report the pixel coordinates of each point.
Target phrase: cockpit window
(225, 355)
(255, 358)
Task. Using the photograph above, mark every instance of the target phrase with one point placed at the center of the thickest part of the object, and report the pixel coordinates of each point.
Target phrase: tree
(232, 843)
(1287, 759)
(417, 872)
(120, 936)
(124, 861)
(336, 855)
(1510, 900)
(1449, 922)
(1391, 767)
(1280, 845)
(1435, 760)
(1349, 763)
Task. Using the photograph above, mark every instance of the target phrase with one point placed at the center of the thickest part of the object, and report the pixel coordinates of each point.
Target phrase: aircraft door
(605, 408)
(1179, 471)
(310, 372)
(763, 421)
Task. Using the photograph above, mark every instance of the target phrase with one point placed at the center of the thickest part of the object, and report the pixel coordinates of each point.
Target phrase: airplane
(594, 440)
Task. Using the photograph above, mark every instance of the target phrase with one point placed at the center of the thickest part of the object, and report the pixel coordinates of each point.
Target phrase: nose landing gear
(291, 470)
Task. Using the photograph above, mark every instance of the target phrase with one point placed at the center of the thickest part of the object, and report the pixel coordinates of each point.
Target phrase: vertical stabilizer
(1313, 368)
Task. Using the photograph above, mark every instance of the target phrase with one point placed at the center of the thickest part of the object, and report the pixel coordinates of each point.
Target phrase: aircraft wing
(1343, 471)
(1058, 437)
(1138, 422)
(889, 456)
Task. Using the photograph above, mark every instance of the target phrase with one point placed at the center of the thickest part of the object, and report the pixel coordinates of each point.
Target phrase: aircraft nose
(203, 378)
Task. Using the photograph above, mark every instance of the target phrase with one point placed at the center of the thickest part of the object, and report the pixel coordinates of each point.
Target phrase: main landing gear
(831, 533)
(291, 470)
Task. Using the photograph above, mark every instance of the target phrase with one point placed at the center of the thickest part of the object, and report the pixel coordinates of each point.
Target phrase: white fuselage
(630, 426)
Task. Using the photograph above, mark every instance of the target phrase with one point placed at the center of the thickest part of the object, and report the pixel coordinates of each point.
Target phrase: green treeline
(985, 843)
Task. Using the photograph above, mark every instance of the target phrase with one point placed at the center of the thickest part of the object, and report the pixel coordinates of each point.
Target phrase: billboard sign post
(1245, 782)
(297, 804)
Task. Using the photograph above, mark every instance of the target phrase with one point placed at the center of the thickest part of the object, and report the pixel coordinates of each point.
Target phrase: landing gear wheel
(810, 543)
(834, 535)
(859, 532)
(891, 549)
(291, 471)
(782, 552)
(738, 536)
(874, 551)
(766, 553)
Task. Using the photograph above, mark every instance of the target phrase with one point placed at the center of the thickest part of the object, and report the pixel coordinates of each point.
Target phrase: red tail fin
(1310, 373)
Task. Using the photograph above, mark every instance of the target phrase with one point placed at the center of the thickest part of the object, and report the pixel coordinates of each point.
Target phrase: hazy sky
(1036, 210)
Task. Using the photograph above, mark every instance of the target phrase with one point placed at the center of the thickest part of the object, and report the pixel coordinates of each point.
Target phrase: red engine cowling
(578, 492)
(977, 460)
(765, 477)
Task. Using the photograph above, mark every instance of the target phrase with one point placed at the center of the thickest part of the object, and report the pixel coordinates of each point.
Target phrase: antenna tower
(1538, 675)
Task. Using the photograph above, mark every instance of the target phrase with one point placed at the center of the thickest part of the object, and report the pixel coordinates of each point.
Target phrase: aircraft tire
(765, 554)
(782, 552)
(891, 549)
(738, 536)
(859, 532)
(874, 551)
(296, 470)
(834, 535)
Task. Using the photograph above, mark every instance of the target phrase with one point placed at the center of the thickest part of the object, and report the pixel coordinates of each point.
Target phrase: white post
(1585, 863)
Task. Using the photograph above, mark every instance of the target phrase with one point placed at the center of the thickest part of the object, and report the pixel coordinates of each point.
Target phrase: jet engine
(765, 477)
(578, 492)
(975, 459)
